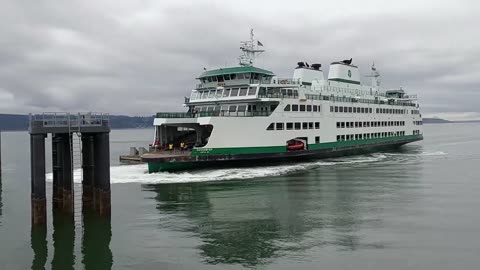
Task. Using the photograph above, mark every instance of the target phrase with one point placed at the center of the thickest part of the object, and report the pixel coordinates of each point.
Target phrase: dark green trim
(235, 70)
(344, 81)
(283, 148)
(168, 166)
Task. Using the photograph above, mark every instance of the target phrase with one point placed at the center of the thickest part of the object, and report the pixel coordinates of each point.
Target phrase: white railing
(61, 119)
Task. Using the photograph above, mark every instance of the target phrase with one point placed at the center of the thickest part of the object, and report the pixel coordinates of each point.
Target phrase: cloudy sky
(140, 57)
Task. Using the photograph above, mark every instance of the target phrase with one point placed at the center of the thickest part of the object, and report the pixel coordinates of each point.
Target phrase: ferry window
(243, 91)
(240, 76)
(251, 91)
(270, 127)
(255, 76)
(319, 108)
(342, 124)
(297, 125)
(210, 109)
(289, 126)
(345, 109)
(309, 108)
(317, 139)
(210, 79)
(279, 126)
(362, 110)
(234, 92)
(242, 108)
(342, 138)
(336, 108)
(310, 125)
(338, 124)
(290, 92)
(219, 93)
(226, 77)
(315, 108)
(203, 109)
(232, 108)
(302, 108)
(304, 125)
(226, 92)
(287, 108)
(376, 110)
(295, 93)
(356, 124)
(331, 108)
(341, 109)
(295, 108)
(217, 108)
(348, 124)
(233, 76)
(247, 75)
(354, 109)
(211, 94)
(350, 109)
(220, 78)
(317, 125)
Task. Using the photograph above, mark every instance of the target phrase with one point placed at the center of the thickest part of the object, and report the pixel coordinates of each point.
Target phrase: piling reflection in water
(95, 245)
(97, 234)
(252, 222)
(1, 203)
(63, 241)
(38, 241)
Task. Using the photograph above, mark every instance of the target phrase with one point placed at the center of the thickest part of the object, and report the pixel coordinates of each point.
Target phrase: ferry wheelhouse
(246, 114)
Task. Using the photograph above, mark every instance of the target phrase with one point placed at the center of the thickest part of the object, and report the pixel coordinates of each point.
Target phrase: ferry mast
(250, 48)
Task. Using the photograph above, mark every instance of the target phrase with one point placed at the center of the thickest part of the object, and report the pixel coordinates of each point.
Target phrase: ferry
(247, 115)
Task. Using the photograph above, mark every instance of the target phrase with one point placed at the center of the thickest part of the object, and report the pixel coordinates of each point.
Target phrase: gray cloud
(139, 57)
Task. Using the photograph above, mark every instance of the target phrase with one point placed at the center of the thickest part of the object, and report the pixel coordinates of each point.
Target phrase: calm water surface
(415, 208)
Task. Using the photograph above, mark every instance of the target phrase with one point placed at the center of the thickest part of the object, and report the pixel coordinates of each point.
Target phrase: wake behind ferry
(245, 114)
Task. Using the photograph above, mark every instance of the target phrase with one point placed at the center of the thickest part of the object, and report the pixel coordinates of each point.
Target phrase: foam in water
(139, 173)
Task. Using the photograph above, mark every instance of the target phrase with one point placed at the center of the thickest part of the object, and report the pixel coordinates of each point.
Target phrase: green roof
(234, 70)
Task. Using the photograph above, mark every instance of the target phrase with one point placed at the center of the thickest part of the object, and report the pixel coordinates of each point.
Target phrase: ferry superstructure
(247, 114)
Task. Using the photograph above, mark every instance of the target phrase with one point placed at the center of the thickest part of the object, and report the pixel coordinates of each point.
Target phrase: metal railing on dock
(60, 119)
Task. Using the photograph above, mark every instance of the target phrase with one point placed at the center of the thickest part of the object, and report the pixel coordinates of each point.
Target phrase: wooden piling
(88, 170)
(37, 163)
(102, 197)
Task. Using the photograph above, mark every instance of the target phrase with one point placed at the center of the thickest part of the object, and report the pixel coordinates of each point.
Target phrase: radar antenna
(250, 48)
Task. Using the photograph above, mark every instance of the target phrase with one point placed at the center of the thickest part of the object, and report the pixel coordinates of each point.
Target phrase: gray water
(414, 208)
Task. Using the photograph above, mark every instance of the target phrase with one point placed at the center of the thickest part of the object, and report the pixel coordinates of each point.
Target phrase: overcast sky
(140, 57)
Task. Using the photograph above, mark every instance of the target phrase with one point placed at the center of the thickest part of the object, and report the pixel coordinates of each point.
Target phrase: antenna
(250, 50)
(375, 75)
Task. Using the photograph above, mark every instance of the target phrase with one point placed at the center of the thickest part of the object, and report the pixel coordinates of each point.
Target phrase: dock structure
(78, 140)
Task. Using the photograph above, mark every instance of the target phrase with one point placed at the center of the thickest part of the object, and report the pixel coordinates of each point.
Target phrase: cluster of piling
(95, 159)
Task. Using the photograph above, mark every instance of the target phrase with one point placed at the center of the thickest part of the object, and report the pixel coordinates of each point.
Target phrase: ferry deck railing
(211, 114)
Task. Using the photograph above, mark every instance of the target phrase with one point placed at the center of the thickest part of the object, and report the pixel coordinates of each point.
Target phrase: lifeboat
(296, 145)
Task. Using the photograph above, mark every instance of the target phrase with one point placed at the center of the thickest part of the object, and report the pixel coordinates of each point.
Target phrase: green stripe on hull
(283, 148)
(169, 166)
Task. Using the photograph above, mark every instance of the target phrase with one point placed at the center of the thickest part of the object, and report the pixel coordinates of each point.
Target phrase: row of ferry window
(294, 126)
(416, 132)
(227, 92)
(370, 124)
(302, 108)
(415, 112)
(418, 123)
(228, 77)
(351, 137)
(350, 109)
(365, 110)
(231, 108)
